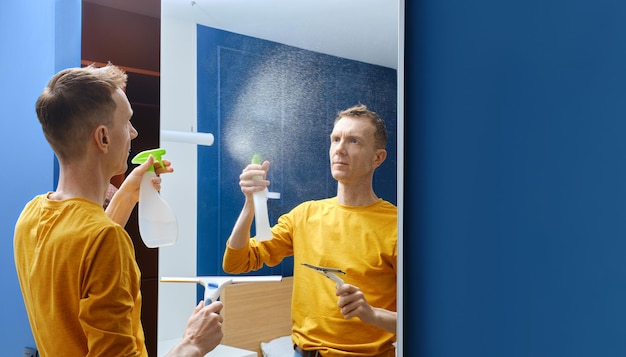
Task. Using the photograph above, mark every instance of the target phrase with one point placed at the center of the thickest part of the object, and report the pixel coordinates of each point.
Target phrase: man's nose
(340, 147)
(133, 132)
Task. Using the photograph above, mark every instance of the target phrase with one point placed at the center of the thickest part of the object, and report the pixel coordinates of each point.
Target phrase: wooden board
(256, 312)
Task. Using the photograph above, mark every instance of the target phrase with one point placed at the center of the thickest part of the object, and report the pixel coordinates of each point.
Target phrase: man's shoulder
(37, 199)
(313, 205)
(33, 205)
(318, 202)
(388, 205)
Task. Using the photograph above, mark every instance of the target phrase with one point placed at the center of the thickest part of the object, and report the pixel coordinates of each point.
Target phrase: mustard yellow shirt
(79, 279)
(362, 241)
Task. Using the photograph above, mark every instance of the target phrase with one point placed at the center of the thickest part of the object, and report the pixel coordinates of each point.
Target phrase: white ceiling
(362, 30)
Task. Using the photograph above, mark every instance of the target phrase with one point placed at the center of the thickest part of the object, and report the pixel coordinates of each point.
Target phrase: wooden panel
(148, 313)
(122, 37)
(256, 312)
(132, 41)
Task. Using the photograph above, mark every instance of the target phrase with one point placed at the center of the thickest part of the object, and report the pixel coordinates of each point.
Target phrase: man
(355, 231)
(75, 262)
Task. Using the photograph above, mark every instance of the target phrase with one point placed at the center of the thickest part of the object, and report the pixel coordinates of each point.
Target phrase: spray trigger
(158, 225)
(144, 155)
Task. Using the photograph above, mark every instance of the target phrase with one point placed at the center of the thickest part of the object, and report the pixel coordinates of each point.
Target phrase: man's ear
(101, 136)
(381, 155)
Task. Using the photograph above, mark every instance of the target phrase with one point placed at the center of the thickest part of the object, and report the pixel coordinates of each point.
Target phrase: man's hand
(127, 196)
(252, 178)
(203, 332)
(132, 182)
(352, 303)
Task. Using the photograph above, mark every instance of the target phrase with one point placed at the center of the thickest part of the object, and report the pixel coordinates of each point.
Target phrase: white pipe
(187, 137)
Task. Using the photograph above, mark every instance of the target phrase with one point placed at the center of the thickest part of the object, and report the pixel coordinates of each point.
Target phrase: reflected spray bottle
(261, 217)
(158, 226)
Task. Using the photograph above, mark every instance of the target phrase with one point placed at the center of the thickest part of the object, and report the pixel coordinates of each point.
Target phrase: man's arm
(240, 235)
(125, 199)
(249, 182)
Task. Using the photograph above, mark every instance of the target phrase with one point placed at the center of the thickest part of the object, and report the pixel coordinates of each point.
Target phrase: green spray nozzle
(144, 155)
(256, 159)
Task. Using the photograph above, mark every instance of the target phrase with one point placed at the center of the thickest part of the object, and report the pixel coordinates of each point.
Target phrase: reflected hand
(352, 303)
(252, 178)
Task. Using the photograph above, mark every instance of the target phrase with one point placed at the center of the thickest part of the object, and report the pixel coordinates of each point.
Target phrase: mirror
(360, 30)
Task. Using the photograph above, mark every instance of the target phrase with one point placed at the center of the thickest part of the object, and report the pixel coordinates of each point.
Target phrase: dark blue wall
(516, 135)
(36, 38)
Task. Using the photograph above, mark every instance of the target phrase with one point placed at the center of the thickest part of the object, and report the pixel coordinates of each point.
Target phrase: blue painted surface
(31, 51)
(518, 111)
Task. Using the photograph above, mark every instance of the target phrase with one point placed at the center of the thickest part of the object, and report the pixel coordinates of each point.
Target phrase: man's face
(121, 132)
(353, 154)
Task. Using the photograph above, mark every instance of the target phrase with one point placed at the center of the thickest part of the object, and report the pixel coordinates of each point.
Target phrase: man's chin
(338, 175)
(122, 171)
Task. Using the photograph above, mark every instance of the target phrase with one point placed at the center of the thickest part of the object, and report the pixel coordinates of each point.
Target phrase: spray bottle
(158, 226)
(261, 217)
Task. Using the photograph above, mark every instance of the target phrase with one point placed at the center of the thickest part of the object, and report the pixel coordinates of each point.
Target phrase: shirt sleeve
(109, 310)
(256, 254)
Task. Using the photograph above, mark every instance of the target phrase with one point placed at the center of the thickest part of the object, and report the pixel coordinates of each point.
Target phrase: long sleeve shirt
(79, 279)
(362, 241)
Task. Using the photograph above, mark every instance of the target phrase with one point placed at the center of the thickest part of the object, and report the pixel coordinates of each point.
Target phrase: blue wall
(516, 119)
(36, 37)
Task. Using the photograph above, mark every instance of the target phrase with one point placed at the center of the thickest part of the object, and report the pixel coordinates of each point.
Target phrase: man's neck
(79, 181)
(351, 195)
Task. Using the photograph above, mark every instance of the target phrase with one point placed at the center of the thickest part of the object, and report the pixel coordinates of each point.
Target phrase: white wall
(179, 189)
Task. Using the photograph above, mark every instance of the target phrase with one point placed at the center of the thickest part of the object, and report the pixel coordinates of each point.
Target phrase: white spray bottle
(261, 217)
(158, 226)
